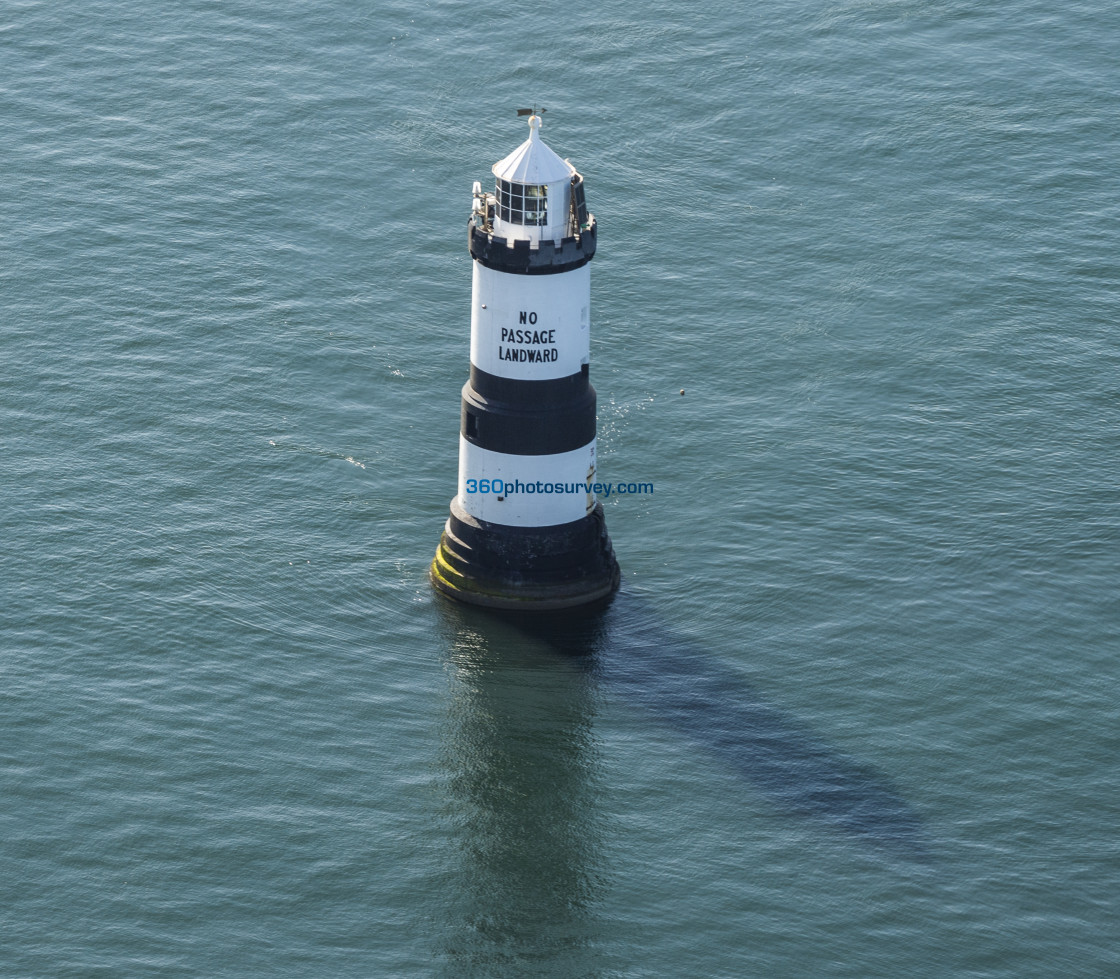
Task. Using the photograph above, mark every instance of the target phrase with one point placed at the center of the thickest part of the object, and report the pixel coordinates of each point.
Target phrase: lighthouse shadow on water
(694, 693)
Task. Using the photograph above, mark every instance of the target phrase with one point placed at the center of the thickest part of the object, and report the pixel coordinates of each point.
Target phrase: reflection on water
(523, 770)
(522, 777)
(694, 692)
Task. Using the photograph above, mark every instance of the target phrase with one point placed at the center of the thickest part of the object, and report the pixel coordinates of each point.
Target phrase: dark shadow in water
(693, 692)
(524, 776)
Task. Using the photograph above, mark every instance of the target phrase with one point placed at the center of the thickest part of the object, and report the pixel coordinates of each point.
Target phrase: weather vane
(530, 112)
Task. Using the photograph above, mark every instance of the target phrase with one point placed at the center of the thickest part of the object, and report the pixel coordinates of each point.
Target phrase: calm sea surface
(855, 709)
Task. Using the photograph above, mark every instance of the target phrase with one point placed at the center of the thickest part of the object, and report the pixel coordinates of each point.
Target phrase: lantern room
(534, 193)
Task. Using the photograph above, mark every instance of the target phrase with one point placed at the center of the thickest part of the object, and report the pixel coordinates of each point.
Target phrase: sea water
(853, 712)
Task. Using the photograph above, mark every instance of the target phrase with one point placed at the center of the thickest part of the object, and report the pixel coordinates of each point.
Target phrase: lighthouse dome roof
(533, 162)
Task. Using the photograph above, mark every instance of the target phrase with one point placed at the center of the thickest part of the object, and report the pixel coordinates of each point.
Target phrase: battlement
(520, 257)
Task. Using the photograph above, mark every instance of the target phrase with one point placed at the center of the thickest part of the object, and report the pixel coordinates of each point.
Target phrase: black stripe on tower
(554, 392)
(519, 425)
(548, 258)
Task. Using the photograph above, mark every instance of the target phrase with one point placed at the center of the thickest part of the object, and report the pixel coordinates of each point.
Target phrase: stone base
(525, 568)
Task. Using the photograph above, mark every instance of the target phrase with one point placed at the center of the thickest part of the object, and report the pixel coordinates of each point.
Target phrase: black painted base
(525, 568)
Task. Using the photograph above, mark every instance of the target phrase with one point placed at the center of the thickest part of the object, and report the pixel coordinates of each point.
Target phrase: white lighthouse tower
(526, 530)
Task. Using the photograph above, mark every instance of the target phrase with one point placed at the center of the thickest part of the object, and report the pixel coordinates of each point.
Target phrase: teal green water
(854, 710)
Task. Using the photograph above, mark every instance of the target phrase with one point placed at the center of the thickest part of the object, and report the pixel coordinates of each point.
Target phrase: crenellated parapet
(522, 257)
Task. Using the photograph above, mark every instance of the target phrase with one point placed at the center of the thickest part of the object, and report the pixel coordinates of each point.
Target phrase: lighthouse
(526, 530)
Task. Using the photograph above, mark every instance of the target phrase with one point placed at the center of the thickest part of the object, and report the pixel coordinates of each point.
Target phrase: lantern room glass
(525, 204)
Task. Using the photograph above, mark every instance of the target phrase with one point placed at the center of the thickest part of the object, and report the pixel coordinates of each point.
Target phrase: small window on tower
(522, 203)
